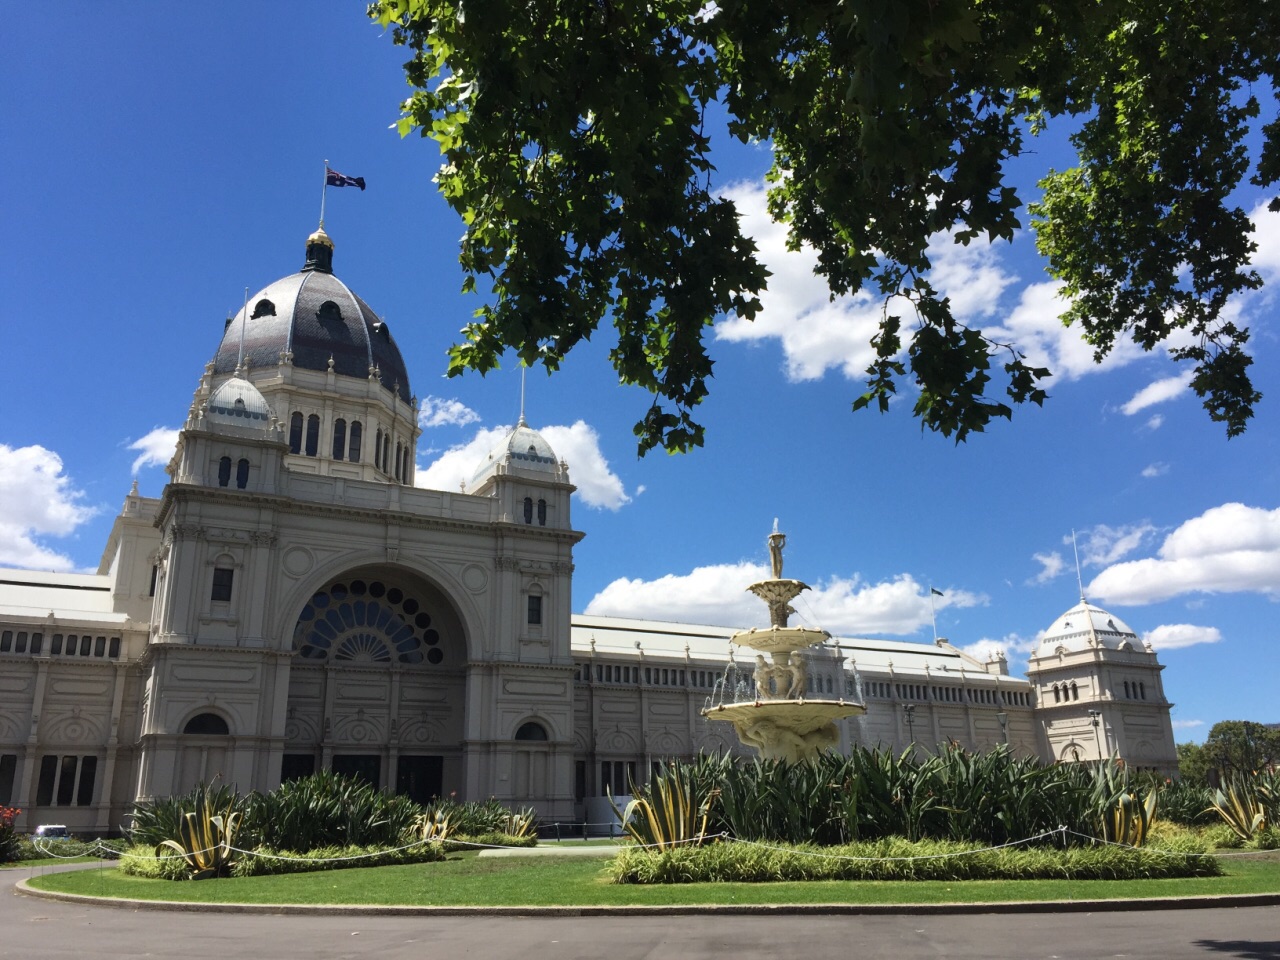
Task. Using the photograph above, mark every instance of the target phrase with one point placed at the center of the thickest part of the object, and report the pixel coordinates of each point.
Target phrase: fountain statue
(772, 714)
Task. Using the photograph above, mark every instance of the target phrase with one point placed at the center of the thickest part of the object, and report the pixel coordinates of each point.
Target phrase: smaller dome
(237, 402)
(1086, 627)
(523, 448)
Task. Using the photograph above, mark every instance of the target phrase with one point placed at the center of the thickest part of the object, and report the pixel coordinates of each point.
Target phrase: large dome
(313, 316)
(1086, 627)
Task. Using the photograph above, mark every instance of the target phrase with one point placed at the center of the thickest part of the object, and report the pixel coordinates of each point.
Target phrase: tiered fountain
(772, 714)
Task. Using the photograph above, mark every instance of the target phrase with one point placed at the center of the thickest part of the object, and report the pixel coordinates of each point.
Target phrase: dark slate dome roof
(315, 316)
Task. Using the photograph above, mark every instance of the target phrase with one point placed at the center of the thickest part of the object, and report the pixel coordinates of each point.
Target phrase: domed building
(291, 602)
(1100, 692)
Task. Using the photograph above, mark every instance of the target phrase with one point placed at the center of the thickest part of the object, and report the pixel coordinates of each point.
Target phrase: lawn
(469, 880)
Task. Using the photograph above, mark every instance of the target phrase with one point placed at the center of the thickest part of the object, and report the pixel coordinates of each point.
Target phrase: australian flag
(333, 178)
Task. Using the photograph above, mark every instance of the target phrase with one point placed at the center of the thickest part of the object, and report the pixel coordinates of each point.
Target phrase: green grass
(467, 880)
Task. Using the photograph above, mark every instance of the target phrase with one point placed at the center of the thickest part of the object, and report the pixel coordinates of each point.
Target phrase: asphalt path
(38, 929)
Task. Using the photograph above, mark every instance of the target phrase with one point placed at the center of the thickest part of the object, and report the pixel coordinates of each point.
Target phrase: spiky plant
(666, 814)
(1241, 807)
(205, 837)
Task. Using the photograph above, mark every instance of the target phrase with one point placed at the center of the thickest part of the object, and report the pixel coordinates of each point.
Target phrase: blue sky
(157, 165)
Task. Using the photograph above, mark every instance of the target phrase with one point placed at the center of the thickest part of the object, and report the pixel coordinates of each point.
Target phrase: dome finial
(319, 251)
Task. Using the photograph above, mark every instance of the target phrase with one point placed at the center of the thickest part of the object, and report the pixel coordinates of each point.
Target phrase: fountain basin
(790, 730)
(779, 639)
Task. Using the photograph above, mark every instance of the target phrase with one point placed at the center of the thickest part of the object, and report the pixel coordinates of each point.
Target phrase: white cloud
(1102, 544)
(1157, 469)
(818, 333)
(1186, 724)
(715, 594)
(1051, 565)
(1035, 328)
(1155, 423)
(36, 500)
(457, 465)
(157, 448)
(1228, 549)
(1172, 636)
(1158, 392)
(1012, 645)
(1266, 259)
(578, 445)
(439, 412)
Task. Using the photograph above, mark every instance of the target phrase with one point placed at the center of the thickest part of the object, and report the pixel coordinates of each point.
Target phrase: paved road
(34, 929)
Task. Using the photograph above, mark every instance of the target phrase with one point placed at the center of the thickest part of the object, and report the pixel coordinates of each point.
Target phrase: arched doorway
(377, 684)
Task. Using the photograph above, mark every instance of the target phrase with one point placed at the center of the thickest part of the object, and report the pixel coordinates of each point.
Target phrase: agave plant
(520, 823)
(205, 837)
(1241, 807)
(668, 813)
(432, 824)
(1121, 815)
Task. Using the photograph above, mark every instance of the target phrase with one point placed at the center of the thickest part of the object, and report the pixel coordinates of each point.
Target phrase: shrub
(1222, 837)
(468, 841)
(327, 810)
(265, 861)
(142, 860)
(8, 838)
(898, 859)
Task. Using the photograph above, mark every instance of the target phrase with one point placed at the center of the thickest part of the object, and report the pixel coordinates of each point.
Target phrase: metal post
(1004, 727)
(1095, 717)
(910, 710)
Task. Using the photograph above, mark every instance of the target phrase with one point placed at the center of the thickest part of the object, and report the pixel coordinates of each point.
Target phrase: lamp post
(1095, 718)
(910, 710)
(1004, 727)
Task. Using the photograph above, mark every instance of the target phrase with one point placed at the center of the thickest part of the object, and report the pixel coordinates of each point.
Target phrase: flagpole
(324, 185)
(933, 615)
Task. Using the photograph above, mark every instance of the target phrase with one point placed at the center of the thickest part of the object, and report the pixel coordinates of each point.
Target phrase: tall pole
(1095, 717)
(324, 186)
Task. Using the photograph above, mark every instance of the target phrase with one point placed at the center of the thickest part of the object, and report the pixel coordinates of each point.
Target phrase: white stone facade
(291, 603)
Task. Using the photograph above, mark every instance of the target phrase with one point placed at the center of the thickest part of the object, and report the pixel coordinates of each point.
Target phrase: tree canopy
(577, 151)
(1241, 747)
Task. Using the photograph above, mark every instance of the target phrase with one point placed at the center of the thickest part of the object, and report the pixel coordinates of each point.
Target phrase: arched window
(242, 474)
(542, 513)
(1127, 694)
(1075, 691)
(386, 453)
(528, 509)
(207, 724)
(329, 312)
(1142, 690)
(1057, 694)
(313, 435)
(295, 433)
(263, 308)
(532, 731)
(377, 449)
(339, 438)
(354, 455)
(224, 471)
(399, 459)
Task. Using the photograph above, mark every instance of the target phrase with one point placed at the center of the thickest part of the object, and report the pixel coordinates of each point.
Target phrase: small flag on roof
(934, 591)
(333, 178)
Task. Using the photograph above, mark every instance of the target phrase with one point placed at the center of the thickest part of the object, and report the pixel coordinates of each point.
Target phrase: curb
(809, 909)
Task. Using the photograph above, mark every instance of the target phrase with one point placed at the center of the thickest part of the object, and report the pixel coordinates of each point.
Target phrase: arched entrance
(377, 684)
